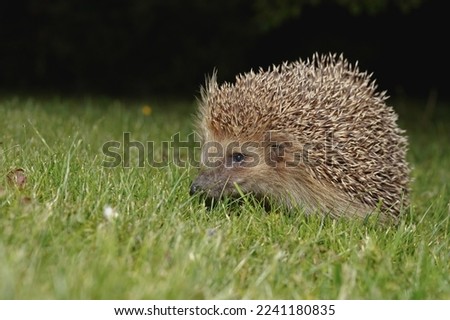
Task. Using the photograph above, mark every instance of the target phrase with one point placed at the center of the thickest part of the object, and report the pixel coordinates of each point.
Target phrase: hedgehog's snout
(199, 186)
(208, 186)
(194, 188)
(197, 189)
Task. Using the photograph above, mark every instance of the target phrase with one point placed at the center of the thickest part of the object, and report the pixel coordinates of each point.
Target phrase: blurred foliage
(375, 7)
(162, 46)
(272, 13)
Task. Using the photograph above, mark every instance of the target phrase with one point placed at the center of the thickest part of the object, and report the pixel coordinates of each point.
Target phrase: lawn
(73, 228)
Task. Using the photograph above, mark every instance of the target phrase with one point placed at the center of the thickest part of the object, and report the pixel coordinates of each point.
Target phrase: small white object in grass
(191, 256)
(110, 213)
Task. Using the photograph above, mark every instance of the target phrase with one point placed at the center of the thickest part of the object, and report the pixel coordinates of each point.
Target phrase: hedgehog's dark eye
(238, 157)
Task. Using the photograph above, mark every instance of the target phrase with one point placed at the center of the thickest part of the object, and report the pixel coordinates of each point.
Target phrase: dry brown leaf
(17, 178)
(25, 200)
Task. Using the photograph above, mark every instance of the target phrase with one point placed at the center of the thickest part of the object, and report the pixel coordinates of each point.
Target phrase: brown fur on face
(272, 167)
(314, 134)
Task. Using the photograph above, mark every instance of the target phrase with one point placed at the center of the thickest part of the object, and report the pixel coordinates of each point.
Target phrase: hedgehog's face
(231, 168)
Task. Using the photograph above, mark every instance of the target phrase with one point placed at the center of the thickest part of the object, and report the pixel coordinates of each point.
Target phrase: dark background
(166, 47)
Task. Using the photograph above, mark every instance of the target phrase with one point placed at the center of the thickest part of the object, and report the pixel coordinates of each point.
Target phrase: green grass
(55, 242)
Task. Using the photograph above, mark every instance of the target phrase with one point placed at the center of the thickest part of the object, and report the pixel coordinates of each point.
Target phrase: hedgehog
(311, 134)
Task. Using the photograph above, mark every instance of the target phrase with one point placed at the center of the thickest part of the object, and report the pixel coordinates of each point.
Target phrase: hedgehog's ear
(276, 152)
(276, 144)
